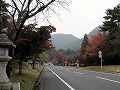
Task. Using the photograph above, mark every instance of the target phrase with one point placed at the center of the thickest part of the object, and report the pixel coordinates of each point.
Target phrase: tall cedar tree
(83, 50)
(85, 41)
(84, 44)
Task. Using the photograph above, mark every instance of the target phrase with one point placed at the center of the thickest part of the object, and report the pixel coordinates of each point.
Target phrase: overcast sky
(83, 17)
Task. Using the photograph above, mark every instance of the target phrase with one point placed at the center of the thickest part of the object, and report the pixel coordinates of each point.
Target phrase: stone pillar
(4, 81)
(29, 64)
(5, 44)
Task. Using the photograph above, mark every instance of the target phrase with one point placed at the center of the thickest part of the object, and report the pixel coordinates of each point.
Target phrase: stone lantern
(5, 44)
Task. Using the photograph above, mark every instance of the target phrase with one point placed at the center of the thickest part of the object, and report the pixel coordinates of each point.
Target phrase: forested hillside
(62, 40)
(68, 41)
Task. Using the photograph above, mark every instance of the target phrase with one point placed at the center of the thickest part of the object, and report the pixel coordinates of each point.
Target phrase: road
(61, 78)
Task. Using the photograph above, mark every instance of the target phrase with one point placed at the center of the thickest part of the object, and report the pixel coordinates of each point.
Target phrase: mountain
(68, 41)
(94, 31)
(76, 45)
(62, 40)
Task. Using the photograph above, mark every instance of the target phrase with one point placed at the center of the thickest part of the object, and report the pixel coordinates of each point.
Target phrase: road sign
(100, 52)
(100, 56)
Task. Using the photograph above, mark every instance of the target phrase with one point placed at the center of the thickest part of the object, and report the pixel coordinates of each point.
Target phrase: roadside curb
(37, 81)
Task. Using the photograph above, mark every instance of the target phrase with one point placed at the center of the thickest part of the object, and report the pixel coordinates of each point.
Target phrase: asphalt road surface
(61, 78)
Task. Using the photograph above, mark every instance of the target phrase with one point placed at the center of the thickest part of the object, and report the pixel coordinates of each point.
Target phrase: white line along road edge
(108, 79)
(78, 73)
(71, 88)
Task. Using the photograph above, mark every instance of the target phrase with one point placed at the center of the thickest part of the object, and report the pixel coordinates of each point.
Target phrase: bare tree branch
(20, 2)
(16, 5)
(45, 17)
(23, 4)
(30, 8)
(14, 20)
(54, 12)
(41, 8)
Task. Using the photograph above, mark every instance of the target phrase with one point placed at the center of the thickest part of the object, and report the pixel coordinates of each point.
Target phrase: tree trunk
(20, 65)
(33, 64)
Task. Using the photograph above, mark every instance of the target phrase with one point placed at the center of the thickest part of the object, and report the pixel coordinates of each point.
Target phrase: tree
(22, 51)
(78, 58)
(96, 43)
(33, 42)
(40, 37)
(85, 41)
(23, 10)
(83, 46)
(112, 26)
(112, 22)
(60, 58)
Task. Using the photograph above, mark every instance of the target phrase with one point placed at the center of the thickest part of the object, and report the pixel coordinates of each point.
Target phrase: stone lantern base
(6, 86)
(4, 81)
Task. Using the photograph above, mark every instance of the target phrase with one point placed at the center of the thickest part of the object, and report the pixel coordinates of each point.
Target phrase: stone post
(29, 64)
(5, 44)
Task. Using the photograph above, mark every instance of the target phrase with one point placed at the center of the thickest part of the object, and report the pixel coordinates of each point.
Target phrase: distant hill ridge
(68, 41)
(61, 40)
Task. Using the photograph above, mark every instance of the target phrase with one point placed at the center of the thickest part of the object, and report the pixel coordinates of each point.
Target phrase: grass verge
(27, 77)
(108, 68)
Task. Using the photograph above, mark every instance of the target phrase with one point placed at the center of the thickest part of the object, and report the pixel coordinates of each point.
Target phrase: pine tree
(112, 26)
(112, 22)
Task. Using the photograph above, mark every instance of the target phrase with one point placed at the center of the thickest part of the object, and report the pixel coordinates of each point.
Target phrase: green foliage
(38, 37)
(60, 56)
(83, 50)
(33, 41)
(85, 41)
(67, 52)
(107, 68)
(112, 22)
(112, 26)
(27, 79)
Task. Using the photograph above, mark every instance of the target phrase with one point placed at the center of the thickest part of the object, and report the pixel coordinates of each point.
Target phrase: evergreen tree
(112, 22)
(112, 26)
(85, 41)
(83, 49)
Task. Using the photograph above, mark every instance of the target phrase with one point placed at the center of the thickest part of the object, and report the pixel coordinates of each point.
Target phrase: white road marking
(67, 70)
(108, 73)
(117, 74)
(71, 88)
(78, 73)
(107, 79)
